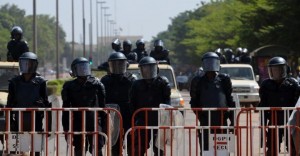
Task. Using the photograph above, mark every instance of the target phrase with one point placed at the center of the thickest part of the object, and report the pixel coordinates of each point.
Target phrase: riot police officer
(84, 91)
(28, 90)
(117, 86)
(16, 46)
(130, 55)
(219, 52)
(277, 91)
(140, 49)
(148, 92)
(229, 55)
(211, 90)
(245, 56)
(239, 52)
(159, 53)
(116, 45)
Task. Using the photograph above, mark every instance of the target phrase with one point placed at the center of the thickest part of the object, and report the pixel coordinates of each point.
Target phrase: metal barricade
(249, 135)
(20, 140)
(215, 139)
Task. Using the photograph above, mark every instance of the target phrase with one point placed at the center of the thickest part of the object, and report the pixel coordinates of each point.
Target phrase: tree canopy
(232, 23)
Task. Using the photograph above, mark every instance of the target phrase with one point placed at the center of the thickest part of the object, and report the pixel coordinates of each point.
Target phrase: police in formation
(140, 49)
(28, 90)
(84, 91)
(227, 56)
(278, 90)
(211, 90)
(16, 46)
(159, 52)
(130, 55)
(148, 92)
(117, 86)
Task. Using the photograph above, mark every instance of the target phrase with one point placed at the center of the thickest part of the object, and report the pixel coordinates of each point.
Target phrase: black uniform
(140, 53)
(16, 49)
(88, 94)
(145, 94)
(140, 49)
(214, 93)
(273, 94)
(117, 92)
(28, 94)
(160, 55)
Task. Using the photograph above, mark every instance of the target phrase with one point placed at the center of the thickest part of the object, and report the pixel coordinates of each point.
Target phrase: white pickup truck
(244, 83)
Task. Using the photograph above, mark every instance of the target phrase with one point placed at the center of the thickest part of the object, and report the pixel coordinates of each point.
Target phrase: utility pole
(34, 30)
(57, 41)
(83, 23)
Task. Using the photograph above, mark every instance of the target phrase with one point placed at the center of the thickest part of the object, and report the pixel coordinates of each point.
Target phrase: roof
(9, 64)
(161, 66)
(236, 65)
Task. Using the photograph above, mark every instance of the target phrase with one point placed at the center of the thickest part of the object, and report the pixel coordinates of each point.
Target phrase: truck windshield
(5, 75)
(238, 73)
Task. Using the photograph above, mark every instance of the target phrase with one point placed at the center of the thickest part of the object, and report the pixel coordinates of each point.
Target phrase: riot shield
(165, 120)
(294, 121)
(114, 125)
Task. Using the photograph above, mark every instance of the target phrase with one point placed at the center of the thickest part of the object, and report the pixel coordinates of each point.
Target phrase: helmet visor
(27, 66)
(148, 71)
(211, 64)
(277, 72)
(82, 69)
(117, 66)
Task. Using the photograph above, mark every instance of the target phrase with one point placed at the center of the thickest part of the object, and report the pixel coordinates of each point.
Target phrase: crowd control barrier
(57, 142)
(224, 131)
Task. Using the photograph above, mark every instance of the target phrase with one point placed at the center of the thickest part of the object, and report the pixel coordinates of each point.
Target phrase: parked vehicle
(244, 83)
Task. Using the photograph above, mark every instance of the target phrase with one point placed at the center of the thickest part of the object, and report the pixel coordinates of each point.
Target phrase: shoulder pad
(15, 78)
(223, 75)
(266, 82)
(38, 79)
(293, 81)
(93, 80)
(130, 76)
(164, 79)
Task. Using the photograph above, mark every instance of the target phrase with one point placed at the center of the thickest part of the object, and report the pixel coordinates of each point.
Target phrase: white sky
(136, 17)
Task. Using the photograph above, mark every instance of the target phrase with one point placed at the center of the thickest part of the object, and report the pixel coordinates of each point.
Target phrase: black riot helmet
(28, 63)
(219, 52)
(140, 44)
(210, 62)
(116, 45)
(148, 67)
(127, 45)
(117, 63)
(277, 68)
(80, 67)
(239, 51)
(158, 45)
(16, 33)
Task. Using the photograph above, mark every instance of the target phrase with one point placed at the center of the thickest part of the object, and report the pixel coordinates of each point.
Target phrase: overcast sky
(135, 17)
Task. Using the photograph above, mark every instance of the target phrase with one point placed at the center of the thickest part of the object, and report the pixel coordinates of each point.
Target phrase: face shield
(211, 64)
(148, 71)
(277, 72)
(27, 66)
(82, 69)
(117, 66)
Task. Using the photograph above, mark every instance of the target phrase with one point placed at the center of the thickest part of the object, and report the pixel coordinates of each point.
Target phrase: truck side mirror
(257, 78)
